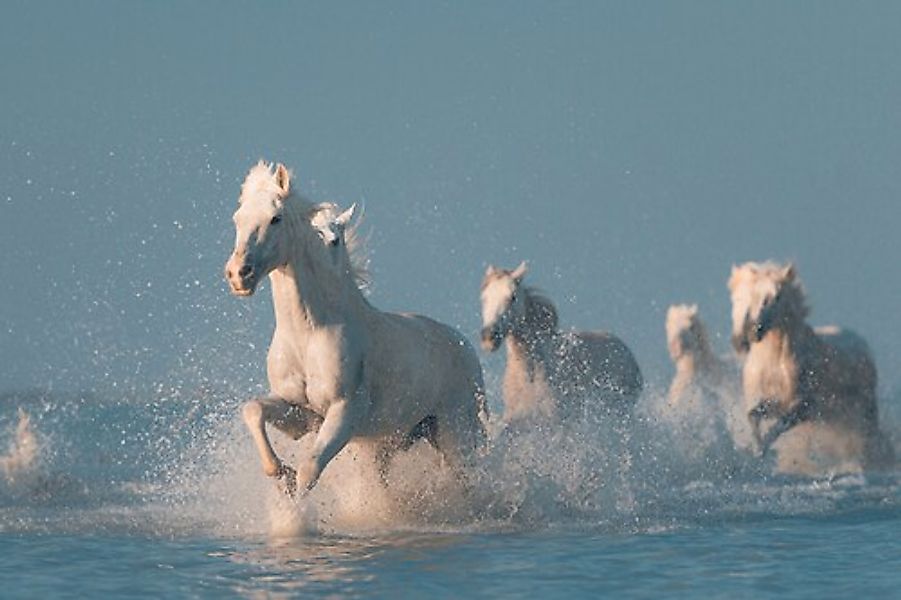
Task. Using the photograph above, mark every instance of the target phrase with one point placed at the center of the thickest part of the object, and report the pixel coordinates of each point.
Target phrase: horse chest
(769, 373)
(311, 371)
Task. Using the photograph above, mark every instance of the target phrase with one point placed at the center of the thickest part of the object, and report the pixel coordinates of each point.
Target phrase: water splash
(185, 465)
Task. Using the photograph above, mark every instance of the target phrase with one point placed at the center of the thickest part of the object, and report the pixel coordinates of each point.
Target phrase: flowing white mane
(356, 245)
(261, 178)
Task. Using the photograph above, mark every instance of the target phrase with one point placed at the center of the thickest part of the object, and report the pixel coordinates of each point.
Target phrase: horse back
(847, 361)
(608, 360)
(423, 353)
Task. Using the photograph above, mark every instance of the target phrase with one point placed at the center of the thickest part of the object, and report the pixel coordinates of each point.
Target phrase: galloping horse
(698, 369)
(550, 373)
(337, 366)
(794, 374)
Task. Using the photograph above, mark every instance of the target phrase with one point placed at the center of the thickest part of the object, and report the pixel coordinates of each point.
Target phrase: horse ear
(520, 271)
(283, 179)
(789, 272)
(344, 218)
(733, 277)
(491, 270)
(693, 310)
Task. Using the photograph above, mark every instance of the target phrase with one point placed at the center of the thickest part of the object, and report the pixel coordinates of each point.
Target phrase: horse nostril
(245, 271)
(228, 273)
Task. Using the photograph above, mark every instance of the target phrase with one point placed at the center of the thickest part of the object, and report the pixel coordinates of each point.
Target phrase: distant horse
(705, 386)
(552, 374)
(337, 366)
(23, 449)
(795, 375)
(698, 368)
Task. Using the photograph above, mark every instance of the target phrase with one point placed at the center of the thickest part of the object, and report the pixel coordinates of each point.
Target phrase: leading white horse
(795, 376)
(337, 366)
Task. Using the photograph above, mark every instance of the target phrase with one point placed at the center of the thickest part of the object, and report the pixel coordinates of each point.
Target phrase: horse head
(764, 296)
(502, 305)
(684, 331)
(262, 236)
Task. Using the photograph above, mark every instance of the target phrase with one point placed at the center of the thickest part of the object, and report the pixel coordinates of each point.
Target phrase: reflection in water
(322, 564)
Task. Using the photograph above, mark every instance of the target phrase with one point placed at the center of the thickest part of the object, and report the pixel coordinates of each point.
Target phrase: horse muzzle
(740, 342)
(491, 339)
(242, 279)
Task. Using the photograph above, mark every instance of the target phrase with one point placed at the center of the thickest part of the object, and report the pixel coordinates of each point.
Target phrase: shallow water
(826, 556)
(164, 498)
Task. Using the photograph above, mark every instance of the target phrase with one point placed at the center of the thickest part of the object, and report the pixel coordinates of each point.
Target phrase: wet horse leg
(800, 413)
(457, 444)
(290, 418)
(336, 430)
(756, 415)
(426, 429)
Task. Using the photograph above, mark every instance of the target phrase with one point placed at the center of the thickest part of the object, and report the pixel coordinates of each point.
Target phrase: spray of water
(178, 466)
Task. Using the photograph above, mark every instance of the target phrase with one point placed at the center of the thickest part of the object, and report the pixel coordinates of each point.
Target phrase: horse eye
(276, 220)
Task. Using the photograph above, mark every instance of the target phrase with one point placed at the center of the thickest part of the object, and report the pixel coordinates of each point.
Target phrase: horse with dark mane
(552, 374)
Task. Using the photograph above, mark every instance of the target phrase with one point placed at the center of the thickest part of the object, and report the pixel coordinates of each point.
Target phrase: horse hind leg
(426, 429)
(458, 445)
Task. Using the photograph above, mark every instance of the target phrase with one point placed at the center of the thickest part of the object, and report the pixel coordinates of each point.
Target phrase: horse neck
(700, 359)
(531, 342)
(307, 295)
(790, 337)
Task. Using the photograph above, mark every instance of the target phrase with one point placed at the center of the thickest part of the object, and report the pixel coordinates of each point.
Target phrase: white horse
(698, 368)
(23, 450)
(552, 374)
(794, 375)
(705, 387)
(337, 366)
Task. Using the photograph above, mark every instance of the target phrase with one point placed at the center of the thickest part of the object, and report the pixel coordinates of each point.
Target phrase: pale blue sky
(632, 151)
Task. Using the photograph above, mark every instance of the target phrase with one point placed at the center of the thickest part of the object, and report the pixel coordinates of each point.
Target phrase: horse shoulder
(284, 369)
(332, 363)
(770, 372)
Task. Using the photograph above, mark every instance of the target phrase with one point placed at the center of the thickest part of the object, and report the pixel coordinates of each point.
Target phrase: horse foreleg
(755, 416)
(287, 417)
(336, 430)
(800, 413)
